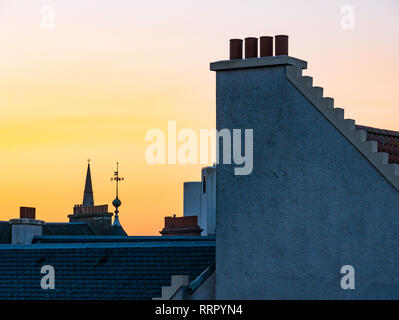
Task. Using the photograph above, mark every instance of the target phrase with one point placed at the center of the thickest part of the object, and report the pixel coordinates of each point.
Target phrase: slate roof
(5, 232)
(388, 141)
(106, 229)
(68, 229)
(93, 271)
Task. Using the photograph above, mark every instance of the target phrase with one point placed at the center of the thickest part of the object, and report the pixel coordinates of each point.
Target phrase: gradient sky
(111, 70)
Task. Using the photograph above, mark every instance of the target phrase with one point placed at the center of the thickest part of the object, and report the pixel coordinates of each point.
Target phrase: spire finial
(116, 203)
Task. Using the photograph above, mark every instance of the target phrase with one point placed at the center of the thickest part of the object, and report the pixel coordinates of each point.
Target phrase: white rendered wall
(207, 218)
(192, 199)
(23, 233)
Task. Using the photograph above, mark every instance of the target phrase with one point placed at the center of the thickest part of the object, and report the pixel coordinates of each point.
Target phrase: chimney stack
(281, 45)
(266, 46)
(251, 47)
(235, 49)
(26, 227)
(181, 226)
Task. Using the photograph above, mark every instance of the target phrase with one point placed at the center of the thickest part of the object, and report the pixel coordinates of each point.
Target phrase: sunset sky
(112, 70)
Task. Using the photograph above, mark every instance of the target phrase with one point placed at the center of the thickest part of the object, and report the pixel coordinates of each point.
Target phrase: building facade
(321, 196)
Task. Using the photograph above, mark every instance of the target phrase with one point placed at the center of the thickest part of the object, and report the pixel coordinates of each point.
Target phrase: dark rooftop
(64, 229)
(5, 232)
(106, 239)
(70, 229)
(117, 270)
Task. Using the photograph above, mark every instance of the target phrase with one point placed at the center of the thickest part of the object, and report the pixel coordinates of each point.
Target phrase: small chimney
(251, 47)
(181, 226)
(266, 46)
(281, 43)
(26, 227)
(192, 196)
(27, 213)
(235, 49)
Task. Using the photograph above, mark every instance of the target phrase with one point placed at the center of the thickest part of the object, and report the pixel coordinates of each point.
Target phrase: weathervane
(117, 203)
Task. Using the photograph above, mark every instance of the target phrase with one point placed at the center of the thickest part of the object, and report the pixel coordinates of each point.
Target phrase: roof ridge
(347, 127)
(196, 283)
(378, 130)
(107, 245)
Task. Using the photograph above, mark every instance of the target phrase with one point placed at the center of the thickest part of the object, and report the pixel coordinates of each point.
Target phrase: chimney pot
(251, 47)
(235, 49)
(281, 45)
(27, 213)
(266, 46)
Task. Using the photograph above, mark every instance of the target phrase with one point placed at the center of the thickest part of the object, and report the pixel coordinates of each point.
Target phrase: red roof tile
(388, 141)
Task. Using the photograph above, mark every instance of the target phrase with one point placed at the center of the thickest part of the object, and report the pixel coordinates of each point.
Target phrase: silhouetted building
(87, 219)
(323, 192)
(200, 200)
(97, 216)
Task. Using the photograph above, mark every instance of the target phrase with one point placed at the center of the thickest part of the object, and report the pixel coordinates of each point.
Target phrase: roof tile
(128, 272)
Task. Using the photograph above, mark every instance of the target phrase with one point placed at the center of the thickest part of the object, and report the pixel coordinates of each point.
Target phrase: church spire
(88, 194)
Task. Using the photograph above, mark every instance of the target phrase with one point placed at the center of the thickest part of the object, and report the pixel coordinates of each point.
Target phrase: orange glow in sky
(111, 71)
